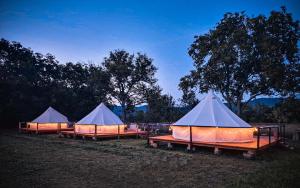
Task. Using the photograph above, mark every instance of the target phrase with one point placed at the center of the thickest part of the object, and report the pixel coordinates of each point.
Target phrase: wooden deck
(37, 131)
(248, 146)
(102, 135)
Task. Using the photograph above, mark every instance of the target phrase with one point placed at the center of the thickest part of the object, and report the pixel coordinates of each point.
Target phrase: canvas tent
(48, 120)
(212, 121)
(100, 120)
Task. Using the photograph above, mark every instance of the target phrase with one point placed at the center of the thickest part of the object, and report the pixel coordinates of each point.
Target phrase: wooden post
(137, 131)
(58, 127)
(278, 133)
(283, 134)
(269, 135)
(19, 126)
(74, 127)
(258, 135)
(147, 128)
(95, 133)
(191, 138)
(37, 128)
(118, 131)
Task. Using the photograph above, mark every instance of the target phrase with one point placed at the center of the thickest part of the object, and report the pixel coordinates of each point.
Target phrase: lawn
(49, 161)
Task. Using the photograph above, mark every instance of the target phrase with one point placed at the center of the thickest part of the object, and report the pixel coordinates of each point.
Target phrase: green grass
(49, 161)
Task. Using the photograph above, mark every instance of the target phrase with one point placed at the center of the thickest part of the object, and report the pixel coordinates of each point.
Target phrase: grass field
(49, 161)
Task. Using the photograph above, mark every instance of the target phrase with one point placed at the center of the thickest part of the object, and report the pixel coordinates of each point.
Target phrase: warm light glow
(255, 129)
(47, 126)
(170, 128)
(100, 128)
(214, 134)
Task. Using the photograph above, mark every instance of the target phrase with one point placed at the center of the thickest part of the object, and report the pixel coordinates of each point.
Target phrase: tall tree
(130, 76)
(246, 57)
(161, 107)
(25, 80)
(30, 82)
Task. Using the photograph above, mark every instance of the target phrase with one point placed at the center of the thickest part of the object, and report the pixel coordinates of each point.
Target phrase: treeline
(241, 58)
(30, 82)
(286, 111)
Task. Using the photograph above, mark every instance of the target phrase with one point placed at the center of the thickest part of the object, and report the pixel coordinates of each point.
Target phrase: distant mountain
(118, 109)
(270, 102)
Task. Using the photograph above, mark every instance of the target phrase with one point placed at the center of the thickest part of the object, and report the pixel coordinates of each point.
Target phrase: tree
(81, 88)
(30, 82)
(246, 57)
(287, 111)
(130, 75)
(161, 107)
(24, 82)
(188, 86)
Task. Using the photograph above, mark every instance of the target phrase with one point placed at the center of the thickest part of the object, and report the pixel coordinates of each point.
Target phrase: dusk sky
(85, 31)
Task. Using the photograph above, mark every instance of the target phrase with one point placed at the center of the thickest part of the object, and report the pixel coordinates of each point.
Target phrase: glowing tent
(212, 121)
(100, 120)
(49, 120)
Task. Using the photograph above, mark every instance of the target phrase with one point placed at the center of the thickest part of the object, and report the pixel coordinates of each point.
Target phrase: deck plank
(104, 135)
(264, 143)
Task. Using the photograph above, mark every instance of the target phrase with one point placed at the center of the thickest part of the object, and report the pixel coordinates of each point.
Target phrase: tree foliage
(130, 76)
(286, 111)
(30, 82)
(161, 107)
(245, 57)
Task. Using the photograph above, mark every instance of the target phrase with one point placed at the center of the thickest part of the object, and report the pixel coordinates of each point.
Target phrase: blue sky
(85, 31)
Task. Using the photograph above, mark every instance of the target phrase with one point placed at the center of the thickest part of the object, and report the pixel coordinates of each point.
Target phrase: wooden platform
(102, 135)
(249, 146)
(31, 130)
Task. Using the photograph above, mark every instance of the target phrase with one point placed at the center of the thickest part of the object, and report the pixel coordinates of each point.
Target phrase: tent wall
(47, 126)
(213, 134)
(100, 128)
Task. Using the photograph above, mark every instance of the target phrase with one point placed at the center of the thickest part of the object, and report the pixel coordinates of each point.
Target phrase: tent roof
(101, 115)
(211, 112)
(51, 116)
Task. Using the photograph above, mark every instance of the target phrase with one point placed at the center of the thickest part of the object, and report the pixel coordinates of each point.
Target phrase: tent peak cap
(50, 108)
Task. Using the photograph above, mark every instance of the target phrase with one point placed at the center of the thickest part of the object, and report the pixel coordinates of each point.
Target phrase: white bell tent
(212, 121)
(50, 119)
(100, 120)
